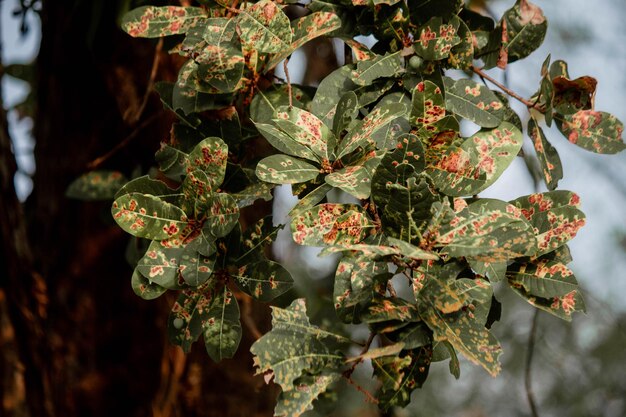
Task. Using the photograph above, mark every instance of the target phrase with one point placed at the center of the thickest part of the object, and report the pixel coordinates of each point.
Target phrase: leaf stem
(289, 92)
(507, 90)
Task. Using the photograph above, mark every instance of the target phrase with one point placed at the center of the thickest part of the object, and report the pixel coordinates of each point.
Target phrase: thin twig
(529, 360)
(153, 74)
(285, 62)
(368, 396)
(348, 373)
(101, 159)
(392, 291)
(507, 90)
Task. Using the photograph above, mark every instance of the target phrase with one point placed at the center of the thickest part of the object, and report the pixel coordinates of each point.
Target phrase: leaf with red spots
(526, 28)
(427, 106)
(396, 248)
(459, 327)
(294, 347)
(145, 288)
(474, 102)
(354, 180)
(488, 231)
(549, 160)
(196, 269)
(160, 265)
(311, 199)
(595, 131)
(435, 39)
(143, 215)
(96, 185)
(264, 280)
(155, 22)
(462, 55)
(221, 215)
(308, 388)
(184, 324)
(265, 103)
(307, 130)
(382, 309)
(304, 30)
(331, 224)
(542, 278)
(284, 169)
(562, 306)
(221, 327)
(210, 156)
(381, 66)
(285, 143)
(479, 294)
(477, 163)
(359, 51)
(554, 216)
(264, 27)
(360, 135)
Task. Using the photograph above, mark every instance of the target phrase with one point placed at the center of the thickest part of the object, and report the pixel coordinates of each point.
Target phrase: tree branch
(507, 90)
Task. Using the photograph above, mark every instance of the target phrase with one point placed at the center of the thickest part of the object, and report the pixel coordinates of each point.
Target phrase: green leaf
(412, 252)
(299, 400)
(495, 271)
(478, 162)
(144, 288)
(221, 327)
(547, 155)
(221, 215)
(311, 198)
(210, 156)
(285, 143)
(96, 185)
(263, 280)
(386, 309)
(265, 103)
(264, 27)
(526, 28)
(381, 66)
(330, 91)
(195, 268)
(347, 111)
(253, 192)
(143, 215)
(331, 224)
(479, 294)
(561, 307)
(147, 185)
(188, 312)
(413, 336)
(427, 105)
(595, 131)
(435, 39)
(172, 162)
(462, 55)
(307, 130)
(284, 169)
(160, 265)
(473, 102)
(354, 180)
(294, 347)
(155, 22)
(543, 278)
(554, 216)
(223, 62)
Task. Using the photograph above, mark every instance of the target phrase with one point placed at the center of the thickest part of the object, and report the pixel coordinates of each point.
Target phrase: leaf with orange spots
(285, 143)
(155, 22)
(265, 103)
(354, 180)
(359, 51)
(96, 185)
(467, 334)
(210, 156)
(571, 96)
(184, 325)
(331, 224)
(595, 131)
(143, 215)
(308, 388)
(195, 268)
(160, 265)
(306, 129)
(462, 55)
(220, 326)
(382, 309)
(542, 278)
(221, 215)
(473, 102)
(555, 217)
(380, 66)
(477, 163)
(526, 28)
(547, 155)
(397, 248)
(435, 39)
(145, 288)
(294, 347)
(263, 280)
(284, 169)
(427, 106)
(562, 306)
(264, 27)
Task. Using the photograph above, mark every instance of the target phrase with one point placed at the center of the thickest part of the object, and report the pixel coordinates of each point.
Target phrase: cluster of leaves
(386, 131)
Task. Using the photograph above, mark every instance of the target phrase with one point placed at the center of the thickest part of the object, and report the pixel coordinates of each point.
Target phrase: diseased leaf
(210, 156)
(571, 96)
(306, 129)
(221, 327)
(311, 198)
(526, 28)
(474, 102)
(284, 169)
(381, 66)
(413, 336)
(263, 280)
(549, 160)
(462, 55)
(195, 268)
(160, 265)
(435, 39)
(347, 111)
(143, 215)
(354, 180)
(222, 214)
(265, 103)
(222, 61)
(189, 311)
(155, 22)
(96, 185)
(427, 106)
(561, 307)
(386, 309)
(253, 192)
(596, 131)
(264, 27)
(543, 278)
(147, 185)
(285, 143)
(144, 288)
(307, 388)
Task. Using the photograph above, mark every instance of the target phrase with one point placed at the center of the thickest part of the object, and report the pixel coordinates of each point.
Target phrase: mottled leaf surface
(596, 131)
(155, 22)
(400, 375)
(331, 224)
(474, 102)
(143, 215)
(284, 169)
(295, 402)
(526, 28)
(96, 185)
(220, 326)
(263, 280)
(380, 66)
(435, 39)
(547, 155)
(264, 27)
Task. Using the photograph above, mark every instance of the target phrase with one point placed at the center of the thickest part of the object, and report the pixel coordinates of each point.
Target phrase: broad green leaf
(172, 162)
(253, 192)
(546, 154)
(595, 131)
(354, 180)
(479, 294)
(210, 156)
(306, 129)
(160, 265)
(196, 190)
(495, 271)
(284, 169)
(427, 106)
(411, 251)
(387, 137)
(294, 347)
(221, 327)
(554, 215)
(222, 61)
(264, 27)
(331, 224)
(195, 268)
(263, 280)
(155, 22)
(462, 55)
(147, 185)
(96, 185)
(347, 111)
(478, 162)
(386, 309)
(381, 66)
(526, 28)
(460, 328)
(265, 103)
(222, 214)
(330, 91)
(489, 231)
(473, 102)
(185, 321)
(144, 288)
(400, 375)
(561, 307)
(543, 278)
(361, 133)
(435, 39)
(143, 215)
(285, 143)
(299, 400)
